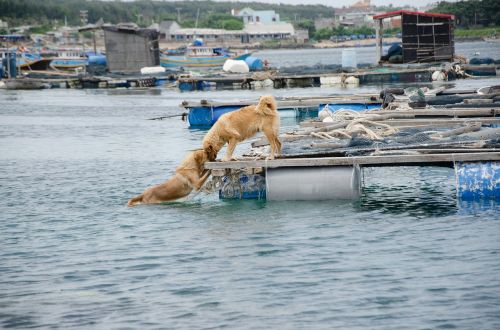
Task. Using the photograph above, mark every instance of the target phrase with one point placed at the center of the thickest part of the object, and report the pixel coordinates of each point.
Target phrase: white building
(256, 16)
(3, 25)
(253, 32)
(276, 31)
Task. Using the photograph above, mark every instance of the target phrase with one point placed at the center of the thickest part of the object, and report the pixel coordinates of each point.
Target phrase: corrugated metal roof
(407, 12)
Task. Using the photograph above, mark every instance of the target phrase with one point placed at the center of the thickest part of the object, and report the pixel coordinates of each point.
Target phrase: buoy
(351, 80)
(438, 76)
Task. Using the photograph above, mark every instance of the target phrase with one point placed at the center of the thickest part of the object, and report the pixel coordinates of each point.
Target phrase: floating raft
(324, 160)
(206, 113)
(313, 79)
(477, 174)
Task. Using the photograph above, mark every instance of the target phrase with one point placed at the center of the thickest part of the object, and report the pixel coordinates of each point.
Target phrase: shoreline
(319, 45)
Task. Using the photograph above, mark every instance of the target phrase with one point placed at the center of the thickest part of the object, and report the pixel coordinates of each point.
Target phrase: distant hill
(472, 13)
(142, 12)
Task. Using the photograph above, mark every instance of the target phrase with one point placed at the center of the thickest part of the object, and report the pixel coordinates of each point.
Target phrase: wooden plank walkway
(392, 160)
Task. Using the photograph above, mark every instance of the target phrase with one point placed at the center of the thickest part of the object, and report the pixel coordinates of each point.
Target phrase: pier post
(378, 38)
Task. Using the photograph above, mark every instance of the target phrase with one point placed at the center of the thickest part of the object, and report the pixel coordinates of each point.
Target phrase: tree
(323, 34)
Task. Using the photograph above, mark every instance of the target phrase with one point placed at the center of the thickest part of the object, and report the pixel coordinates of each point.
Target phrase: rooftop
(407, 12)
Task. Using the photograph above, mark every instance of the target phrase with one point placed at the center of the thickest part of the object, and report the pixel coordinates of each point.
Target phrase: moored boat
(70, 59)
(200, 56)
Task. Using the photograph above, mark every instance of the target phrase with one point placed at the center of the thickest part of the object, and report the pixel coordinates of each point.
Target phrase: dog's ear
(199, 156)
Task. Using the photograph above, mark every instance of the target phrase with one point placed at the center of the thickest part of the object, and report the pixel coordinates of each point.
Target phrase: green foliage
(479, 32)
(222, 21)
(144, 12)
(87, 35)
(323, 34)
(308, 25)
(327, 33)
(471, 13)
(42, 29)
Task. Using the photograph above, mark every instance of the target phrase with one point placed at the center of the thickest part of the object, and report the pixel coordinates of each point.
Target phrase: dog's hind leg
(230, 149)
(274, 141)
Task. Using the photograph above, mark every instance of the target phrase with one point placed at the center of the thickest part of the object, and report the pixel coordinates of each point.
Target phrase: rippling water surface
(407, 255)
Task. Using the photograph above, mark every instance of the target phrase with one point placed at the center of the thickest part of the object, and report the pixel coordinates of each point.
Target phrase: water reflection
(417, 191)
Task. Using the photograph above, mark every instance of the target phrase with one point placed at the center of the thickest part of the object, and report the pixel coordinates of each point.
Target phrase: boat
(26, 60)
(489, 90)
(70, 59)
(200, 56)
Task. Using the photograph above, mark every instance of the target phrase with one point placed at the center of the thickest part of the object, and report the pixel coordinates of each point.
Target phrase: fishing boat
(31, 61)
(70, 59)
(200, 56)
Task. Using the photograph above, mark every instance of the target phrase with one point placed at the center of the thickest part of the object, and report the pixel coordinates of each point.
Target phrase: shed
(426, 37)
(129, 49)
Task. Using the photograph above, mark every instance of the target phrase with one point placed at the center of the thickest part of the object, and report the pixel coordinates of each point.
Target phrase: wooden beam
(393, 160)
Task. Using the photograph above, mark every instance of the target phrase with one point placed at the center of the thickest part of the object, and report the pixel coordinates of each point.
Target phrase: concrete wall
(130, 50)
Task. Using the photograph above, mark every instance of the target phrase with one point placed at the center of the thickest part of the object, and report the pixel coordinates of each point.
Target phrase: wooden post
(378, 37)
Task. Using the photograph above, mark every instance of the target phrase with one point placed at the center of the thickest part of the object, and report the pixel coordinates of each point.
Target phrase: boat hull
(198, 61)
(67, 64)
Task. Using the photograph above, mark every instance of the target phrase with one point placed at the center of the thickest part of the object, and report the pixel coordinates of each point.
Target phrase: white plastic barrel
(349, 58)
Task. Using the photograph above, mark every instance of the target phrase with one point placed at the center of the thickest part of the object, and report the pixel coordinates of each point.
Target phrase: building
(426, 37)
(167, 29)
(208, 35)
(362, 4)
(257, 32)
(252, 32)
(128, 49)
(354, 16)
(3, 25)
(256, 16)
(324, 23)
(301, 36)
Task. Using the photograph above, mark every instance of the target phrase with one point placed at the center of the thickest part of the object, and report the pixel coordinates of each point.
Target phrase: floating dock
(477, 175)
(323, 160)
(206, 113)
(288, 80)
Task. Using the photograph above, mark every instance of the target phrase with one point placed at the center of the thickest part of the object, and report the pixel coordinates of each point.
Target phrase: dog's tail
(135, 200)
(267, 105)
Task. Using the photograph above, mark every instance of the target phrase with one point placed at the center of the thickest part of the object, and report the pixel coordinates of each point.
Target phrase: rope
(357, 126)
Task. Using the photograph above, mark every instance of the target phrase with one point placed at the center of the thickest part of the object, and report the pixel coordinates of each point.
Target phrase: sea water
(406, 255)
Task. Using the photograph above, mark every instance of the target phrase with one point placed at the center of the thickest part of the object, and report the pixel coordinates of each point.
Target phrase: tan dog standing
(242, 124)
(190, 175)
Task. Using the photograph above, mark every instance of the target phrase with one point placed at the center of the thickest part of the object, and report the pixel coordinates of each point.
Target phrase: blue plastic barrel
(481, 60)
(97, 59)
(254, 63)
(9, 64)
